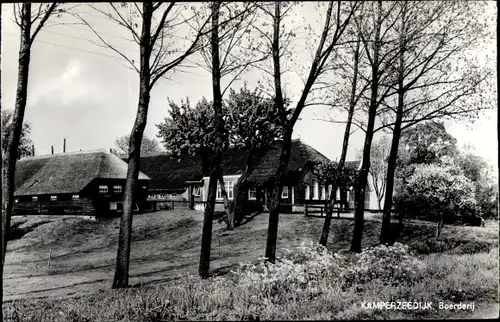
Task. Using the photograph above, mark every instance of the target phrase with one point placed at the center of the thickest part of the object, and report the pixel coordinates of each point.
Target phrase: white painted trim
(231, 176)
(248, 191)
(283, 190)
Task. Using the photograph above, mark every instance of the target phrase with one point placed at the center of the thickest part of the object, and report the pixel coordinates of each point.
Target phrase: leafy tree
(253, 125)
(437, 193)
(25, 143)
(479, 172)
(147, 145)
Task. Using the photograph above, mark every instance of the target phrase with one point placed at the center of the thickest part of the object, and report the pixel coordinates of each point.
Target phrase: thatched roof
(167, 173)
(67, 172)
(354, 164)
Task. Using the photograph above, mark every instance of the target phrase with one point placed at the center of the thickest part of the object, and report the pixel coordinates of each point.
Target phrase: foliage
(390, 265)
(252, 120)
(428, 143)
(304, 267)
(189, 130)
(477, 169)
(25, 142)
(147, 145)
(325, 173)
(435, 190)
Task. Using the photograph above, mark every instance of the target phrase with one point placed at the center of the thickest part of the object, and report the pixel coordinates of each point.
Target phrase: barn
(89, 183)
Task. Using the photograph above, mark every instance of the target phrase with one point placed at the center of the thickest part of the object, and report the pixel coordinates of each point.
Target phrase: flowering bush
(392, 265)
(303, 267)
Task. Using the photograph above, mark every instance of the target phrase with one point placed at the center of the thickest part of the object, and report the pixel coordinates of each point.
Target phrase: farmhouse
(81, 183)
(184, 179)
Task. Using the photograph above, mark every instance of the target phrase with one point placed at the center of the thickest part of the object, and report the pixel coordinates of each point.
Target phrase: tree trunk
(372, 113)
(391, 166)
(272, 232)
(124, 239)
(239, 193)
(352, 104)
(2, 249)
(215, 170)
(206, 238)
(10, 156)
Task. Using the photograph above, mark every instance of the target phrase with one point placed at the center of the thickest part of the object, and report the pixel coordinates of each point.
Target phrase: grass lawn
(166, 245)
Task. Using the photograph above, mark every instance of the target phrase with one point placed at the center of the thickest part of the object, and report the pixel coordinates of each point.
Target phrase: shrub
(304, 267)
(433, 190)
(389, 265)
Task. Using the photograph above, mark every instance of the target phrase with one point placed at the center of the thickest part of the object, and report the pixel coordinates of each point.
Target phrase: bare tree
(160, 53)
(335, 24)
(378, 44)
(434, 79)
(30, 23)
(2, 236)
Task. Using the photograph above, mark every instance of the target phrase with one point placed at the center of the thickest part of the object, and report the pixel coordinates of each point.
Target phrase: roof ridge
(43, 156)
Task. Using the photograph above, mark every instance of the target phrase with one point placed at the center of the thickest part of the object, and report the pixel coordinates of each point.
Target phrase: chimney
(52, 149)
(64, 145)
(33, 150)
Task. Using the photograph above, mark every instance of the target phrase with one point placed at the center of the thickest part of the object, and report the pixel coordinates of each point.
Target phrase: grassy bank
(460, 267)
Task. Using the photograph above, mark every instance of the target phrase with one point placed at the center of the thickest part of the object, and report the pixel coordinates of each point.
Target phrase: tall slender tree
(333, 30)
(30, 23)
(159, 55)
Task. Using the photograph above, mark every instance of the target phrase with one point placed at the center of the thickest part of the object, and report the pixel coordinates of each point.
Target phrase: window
(323, 193)
(196, 191)
(117, 189)
(113, 206)
(316, 190)
(330, 190)
(34, 198)
(53, 198)
(75, 197)
(173, 195)
(252, 193)
(229, 186)
(16, 200)
(103, 189)
(308, 192)
(284, 192)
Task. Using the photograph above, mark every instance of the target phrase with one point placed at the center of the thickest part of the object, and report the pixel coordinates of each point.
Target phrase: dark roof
(167, 173)
(300, 154)
(67, 172)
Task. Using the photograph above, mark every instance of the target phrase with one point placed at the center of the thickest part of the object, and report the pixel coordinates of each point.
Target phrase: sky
(86, 94)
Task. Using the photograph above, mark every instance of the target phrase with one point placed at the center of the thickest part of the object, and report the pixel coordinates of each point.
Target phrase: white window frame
(252, 190)
(229, 186)
(283, 194)
(75, 197)
(34, 198)
(307, 192)
(101, 189)
(323, 193)
(117, 189)
(53, 198)
(197, 191)
(173, 195)
(316, 190)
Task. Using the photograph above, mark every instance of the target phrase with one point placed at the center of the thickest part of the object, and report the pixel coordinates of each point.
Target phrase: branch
(46, 16)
